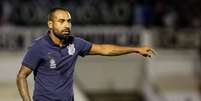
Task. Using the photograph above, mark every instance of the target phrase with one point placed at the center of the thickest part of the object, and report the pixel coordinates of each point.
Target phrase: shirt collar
(66, 42)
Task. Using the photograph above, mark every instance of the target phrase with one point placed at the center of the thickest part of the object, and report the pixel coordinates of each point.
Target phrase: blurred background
(172, 27)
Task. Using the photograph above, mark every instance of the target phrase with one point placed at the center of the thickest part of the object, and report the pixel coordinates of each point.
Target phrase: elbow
(108, 53)
(104, 50)
(21, 76)
(107, 50)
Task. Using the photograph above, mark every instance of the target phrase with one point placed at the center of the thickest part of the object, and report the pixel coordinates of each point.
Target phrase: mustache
(66, 30)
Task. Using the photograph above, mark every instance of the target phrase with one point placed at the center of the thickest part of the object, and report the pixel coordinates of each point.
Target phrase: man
(52, 58)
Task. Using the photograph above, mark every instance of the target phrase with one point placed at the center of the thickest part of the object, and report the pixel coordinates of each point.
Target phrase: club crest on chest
(71, 49)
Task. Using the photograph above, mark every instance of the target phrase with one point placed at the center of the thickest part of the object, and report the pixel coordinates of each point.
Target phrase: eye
(61, 20)
(69, 20)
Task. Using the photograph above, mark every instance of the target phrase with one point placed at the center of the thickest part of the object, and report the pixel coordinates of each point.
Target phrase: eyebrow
(64, 19)
(61, 19)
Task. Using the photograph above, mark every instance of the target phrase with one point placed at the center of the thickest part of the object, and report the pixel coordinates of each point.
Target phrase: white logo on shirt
(71, 49)
(52, 63)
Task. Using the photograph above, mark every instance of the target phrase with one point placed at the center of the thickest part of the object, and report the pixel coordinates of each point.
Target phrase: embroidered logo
(51, 61)
(71, 49)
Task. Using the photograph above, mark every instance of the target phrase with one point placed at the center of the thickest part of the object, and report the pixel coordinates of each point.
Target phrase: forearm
(115, 50)
(23, 88)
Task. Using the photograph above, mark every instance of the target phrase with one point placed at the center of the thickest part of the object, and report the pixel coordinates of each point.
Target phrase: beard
(64, 36)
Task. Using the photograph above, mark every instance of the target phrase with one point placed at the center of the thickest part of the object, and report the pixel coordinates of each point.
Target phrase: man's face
(61, 23)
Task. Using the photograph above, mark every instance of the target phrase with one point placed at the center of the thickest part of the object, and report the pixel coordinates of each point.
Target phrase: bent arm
(115, 50)
(22, 82)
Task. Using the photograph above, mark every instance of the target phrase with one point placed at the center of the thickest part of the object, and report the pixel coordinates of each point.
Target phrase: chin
(66, 35)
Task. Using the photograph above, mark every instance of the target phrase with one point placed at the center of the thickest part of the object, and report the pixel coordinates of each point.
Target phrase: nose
(68, 24)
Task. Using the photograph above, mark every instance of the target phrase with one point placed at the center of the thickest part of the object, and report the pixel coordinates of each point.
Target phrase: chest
(58, 57)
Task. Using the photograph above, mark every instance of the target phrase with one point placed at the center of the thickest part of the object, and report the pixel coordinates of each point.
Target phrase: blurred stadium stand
(123, 78)
(171, 27)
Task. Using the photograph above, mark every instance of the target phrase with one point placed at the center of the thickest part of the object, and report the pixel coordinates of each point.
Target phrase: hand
(146, 51)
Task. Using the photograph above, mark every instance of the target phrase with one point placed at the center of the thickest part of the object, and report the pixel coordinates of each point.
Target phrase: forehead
(60, 14)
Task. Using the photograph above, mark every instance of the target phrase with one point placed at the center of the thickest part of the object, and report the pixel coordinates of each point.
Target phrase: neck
(56, 40)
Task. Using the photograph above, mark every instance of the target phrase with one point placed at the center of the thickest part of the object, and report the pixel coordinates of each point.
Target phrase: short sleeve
(84, 47)
(32, 57)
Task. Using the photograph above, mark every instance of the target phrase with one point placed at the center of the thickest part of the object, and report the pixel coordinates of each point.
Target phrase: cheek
(57, 28)
(69, 24)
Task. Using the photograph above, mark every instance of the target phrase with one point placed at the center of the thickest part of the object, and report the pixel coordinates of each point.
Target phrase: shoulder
(40, 39)
(38, 42)
(80, 40)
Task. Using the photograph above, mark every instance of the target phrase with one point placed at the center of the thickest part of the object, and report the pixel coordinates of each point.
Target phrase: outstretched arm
(22, 83)
(115, 50)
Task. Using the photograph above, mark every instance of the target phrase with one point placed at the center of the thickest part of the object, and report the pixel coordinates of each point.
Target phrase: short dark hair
(53, 10)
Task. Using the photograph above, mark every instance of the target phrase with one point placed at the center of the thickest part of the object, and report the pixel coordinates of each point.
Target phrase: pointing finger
(153, 51)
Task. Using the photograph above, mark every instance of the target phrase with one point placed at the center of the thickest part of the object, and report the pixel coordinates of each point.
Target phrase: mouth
(66, 31)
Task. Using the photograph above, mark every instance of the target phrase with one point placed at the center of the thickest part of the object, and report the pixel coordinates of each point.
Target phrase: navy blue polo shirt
(53, 67)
